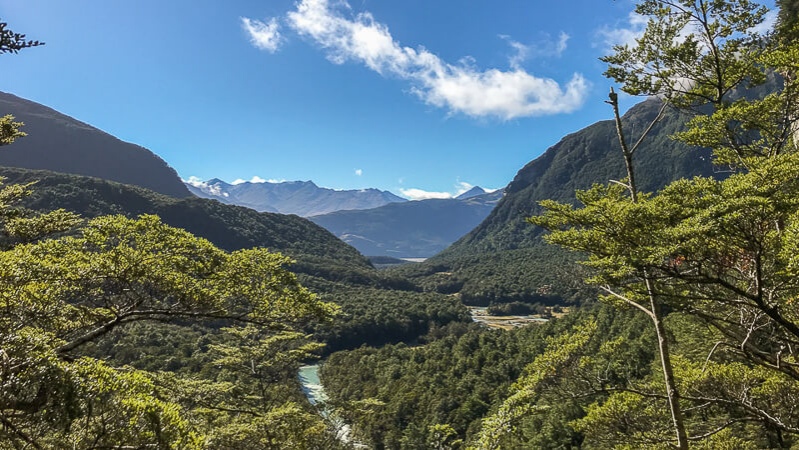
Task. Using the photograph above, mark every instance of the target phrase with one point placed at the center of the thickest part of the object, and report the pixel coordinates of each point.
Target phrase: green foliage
(11, 42)
(715, 250)
(378, 307)
(516, 309)
(382, 316)
(442, 437)
(61, 295)
(787, 27)
(22, 226)
(523, 399)
(9, 130)
(692, 51)
(156, 301)
(251, 399)
(464, 372)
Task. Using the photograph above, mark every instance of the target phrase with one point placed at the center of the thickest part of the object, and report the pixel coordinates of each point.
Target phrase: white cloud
(254, 179)
(459, 188)
(624, 35)
(358, 172)
(522, 52)
(212, 189)
(768, 23)
(194, 181)
(460, 88)
(561, 45)
(263, 35)
(419, 194)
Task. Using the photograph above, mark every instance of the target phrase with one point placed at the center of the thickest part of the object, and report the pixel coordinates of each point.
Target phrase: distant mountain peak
(303, 198)
(473, 192)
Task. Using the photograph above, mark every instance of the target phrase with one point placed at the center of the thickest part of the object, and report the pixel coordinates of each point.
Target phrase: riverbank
(480, 315)
(315, 392)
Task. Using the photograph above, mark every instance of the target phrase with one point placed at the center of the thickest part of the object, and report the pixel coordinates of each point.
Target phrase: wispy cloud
(522, 52)
(561, 43)
(546, 47)
(460, 88)
(358, 172)
(263, 35)
(624, 34)
(462, 187)
(194, 181)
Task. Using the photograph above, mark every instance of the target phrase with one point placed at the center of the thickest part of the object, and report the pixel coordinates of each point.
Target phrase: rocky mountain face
(60, 143)
(303, 198)
(416, 229)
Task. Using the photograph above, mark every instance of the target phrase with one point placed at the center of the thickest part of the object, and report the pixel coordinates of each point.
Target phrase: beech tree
(717, 253)
(58, 295)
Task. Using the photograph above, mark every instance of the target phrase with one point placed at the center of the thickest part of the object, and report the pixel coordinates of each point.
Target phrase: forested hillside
(503, 259)
(438, 394)
(377, 308)
(139, 329)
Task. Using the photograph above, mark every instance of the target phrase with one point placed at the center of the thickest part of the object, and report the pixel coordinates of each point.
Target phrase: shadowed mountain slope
(416, 229)
(62, 144)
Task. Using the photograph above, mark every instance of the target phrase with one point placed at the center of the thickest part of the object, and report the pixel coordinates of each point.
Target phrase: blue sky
(422, 98)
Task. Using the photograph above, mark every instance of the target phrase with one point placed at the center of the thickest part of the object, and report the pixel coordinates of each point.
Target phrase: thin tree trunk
(672, 393)
(793, 114)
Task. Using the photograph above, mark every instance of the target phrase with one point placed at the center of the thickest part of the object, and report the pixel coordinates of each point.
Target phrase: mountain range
(229, 227)
(417, 229)
(502, 258)
(60, 143)
(303, 198)
(377, 223)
